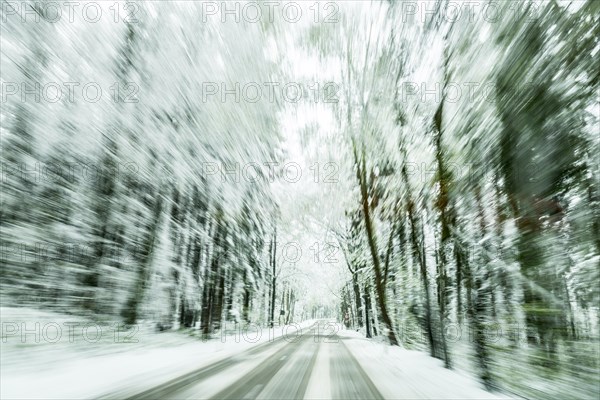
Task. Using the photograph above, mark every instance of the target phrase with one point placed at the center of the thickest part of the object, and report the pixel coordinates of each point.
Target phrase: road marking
(282, 358)
(319, 385)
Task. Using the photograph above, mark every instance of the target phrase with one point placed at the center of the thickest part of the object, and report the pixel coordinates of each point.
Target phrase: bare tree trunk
(273, 276)
(445, 218)
(131, 310)
(418, 255)
(217, 312)
(246, 299)
(356, 289)
(483, 295)
(211, 281)
(357, 299)
(379, 279)
(367, 296)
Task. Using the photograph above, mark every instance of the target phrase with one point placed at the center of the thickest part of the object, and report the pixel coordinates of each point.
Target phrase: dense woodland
(472, 208)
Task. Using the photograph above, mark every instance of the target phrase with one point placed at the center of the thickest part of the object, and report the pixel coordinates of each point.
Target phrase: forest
(422, 172)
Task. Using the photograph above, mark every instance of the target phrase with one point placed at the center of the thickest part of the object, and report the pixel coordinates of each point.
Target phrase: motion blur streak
(300, 199)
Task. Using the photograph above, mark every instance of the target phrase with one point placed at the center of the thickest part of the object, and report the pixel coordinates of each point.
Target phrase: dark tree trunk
(379, 278)
(207, 294)
(211, 281)
(418, 254)
(458, 254)
(273, 277)
(217, 312)
(367, 296)
(131, 310)
(246, 299)
(357, 299)
(483, 297)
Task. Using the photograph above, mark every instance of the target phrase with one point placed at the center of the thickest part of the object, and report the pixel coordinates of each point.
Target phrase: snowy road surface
(314, 365)
(325, 362)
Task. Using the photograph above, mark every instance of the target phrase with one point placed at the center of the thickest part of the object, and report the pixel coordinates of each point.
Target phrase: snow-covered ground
(406, 374)
(74, 365)
(86, 369)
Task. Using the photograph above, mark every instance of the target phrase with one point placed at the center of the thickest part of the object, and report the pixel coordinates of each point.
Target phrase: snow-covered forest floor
(75, 365)
(104, 367)
(410, 374)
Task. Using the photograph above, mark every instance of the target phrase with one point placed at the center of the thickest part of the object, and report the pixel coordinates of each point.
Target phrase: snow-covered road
(312, 365)
(319, 365)
(310, 360)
